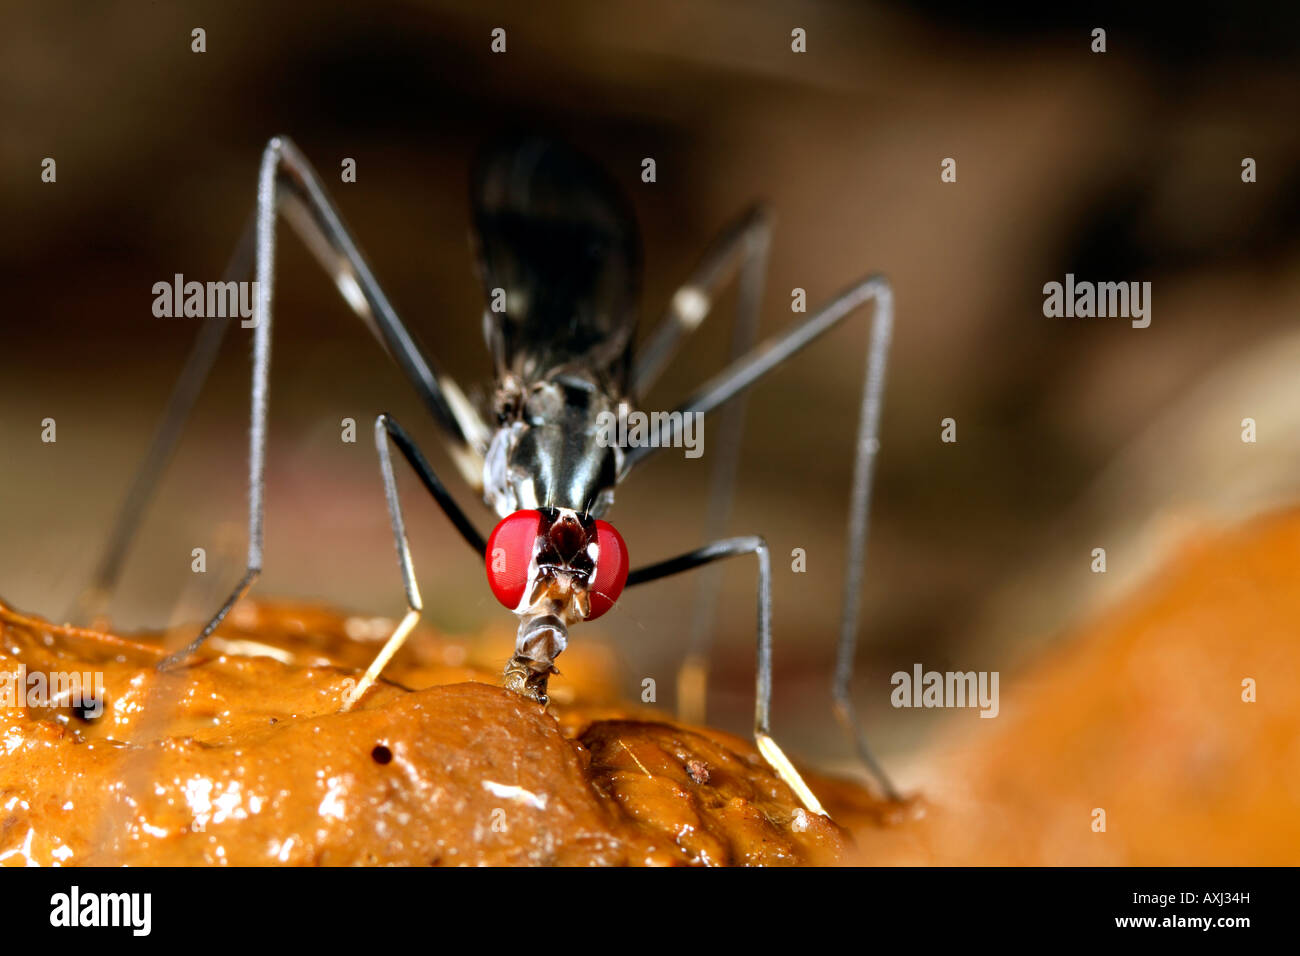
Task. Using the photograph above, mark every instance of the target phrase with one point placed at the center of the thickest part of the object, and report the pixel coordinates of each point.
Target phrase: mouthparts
(540, 640)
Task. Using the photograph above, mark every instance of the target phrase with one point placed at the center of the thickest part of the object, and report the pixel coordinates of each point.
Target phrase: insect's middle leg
(728, 548)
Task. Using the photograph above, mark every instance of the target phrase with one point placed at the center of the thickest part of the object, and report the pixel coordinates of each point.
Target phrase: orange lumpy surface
(243, 757)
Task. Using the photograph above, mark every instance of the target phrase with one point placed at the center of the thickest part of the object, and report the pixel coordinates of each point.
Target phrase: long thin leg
(747, 370)
(739, 251)
(295, 185)
(385, 429)
(693, 677)
(91, 601)
(741, 246)
(286, 175)
(727, 548)
(386, 425)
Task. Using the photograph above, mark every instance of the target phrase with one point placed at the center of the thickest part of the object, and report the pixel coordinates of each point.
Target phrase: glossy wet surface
(242, 757)
(1174, 712)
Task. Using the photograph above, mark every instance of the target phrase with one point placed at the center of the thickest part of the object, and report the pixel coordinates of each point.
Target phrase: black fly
(560, 258)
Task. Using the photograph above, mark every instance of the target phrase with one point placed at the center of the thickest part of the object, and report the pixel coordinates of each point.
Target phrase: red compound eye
(611, 570)
(509, 552)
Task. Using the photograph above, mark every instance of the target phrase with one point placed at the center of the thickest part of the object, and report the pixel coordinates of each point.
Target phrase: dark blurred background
(1073, 434)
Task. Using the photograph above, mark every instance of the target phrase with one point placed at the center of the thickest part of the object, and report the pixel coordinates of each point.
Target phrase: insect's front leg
(749, 369)
(386, 430)
(729, 548)
(739, 252)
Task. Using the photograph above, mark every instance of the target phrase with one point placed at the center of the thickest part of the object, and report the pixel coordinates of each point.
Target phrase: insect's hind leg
(264, 272)
(387, 429)
(93, 598)
(728, 548)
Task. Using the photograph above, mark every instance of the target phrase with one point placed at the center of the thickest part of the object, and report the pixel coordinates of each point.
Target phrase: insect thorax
(548, 451)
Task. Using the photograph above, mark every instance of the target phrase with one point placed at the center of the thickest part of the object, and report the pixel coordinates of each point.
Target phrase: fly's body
(559, 257)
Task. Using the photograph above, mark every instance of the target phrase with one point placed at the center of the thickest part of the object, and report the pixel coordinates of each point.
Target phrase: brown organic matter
(1174, 712)
(242, 757)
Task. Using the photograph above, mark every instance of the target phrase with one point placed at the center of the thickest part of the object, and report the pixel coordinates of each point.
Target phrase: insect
(559, 255)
